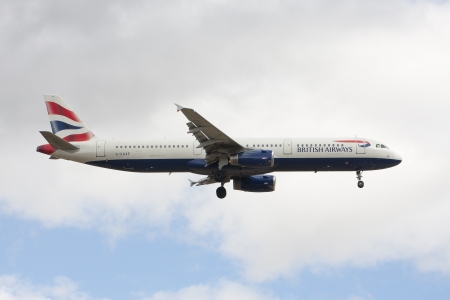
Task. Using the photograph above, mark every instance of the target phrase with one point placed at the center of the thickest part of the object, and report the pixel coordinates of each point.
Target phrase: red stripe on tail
(56, 109)
(46, 149)
(79, 137)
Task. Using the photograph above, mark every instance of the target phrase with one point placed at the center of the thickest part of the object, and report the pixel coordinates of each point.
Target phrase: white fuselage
(291, 154)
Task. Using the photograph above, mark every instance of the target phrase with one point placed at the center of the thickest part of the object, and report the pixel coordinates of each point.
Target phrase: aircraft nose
(397, 157)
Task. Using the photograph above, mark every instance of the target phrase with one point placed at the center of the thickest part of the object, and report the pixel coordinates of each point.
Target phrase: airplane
(246, 161)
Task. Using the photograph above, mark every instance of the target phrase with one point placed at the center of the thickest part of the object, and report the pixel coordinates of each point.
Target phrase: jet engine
(257, 183)
(253, 158)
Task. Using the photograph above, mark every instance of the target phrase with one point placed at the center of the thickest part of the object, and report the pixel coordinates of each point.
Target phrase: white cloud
(13, 287)
(376, 69)
(224, 289)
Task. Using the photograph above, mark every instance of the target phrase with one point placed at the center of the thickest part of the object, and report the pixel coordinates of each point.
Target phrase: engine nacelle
(253, 158)
(257, 183)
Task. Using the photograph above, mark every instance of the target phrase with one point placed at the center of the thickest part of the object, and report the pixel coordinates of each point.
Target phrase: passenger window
(275, 145)
(271, 145)
(164, 146)
(178, 146)
(139, 146)
(182, 146)
(253, 145)
(169, 146)
(186, 146)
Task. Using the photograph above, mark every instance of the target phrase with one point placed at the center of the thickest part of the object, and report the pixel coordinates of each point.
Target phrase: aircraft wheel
(219, 176)
(221, 192)
(360, 184)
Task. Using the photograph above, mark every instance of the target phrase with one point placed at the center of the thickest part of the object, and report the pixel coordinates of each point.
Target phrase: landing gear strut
(219, 176)
(359, 176)
(221, 192)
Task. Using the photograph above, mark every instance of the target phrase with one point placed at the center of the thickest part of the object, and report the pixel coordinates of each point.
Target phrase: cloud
(223, 289)
(378, 70)
(13, 287)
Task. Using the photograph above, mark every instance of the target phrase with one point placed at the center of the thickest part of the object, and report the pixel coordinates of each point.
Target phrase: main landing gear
(359, 176)
(220, 176)
(221, 192)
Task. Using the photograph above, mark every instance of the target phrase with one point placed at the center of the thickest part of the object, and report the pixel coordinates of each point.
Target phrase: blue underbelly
(281, 165)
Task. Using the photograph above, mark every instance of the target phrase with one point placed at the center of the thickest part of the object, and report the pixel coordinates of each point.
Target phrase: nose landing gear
(359, 176)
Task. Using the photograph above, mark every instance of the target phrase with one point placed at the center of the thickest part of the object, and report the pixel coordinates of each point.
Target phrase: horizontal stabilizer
(57, 142)
(207, 180)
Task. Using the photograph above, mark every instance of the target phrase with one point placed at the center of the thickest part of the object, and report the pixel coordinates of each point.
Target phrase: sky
(375, 69)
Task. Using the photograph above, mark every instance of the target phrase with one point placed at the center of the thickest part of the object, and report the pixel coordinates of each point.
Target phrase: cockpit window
(378, 145)
(383, 146)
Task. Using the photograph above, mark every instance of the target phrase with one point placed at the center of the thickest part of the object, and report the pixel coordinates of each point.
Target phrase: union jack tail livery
(64, 122)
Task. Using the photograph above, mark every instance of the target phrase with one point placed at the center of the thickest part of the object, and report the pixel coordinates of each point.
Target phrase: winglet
(192, 182)
(179, 107)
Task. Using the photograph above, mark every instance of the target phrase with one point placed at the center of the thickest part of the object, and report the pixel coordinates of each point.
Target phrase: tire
(219, 176)
(360, 184)
(221, 192)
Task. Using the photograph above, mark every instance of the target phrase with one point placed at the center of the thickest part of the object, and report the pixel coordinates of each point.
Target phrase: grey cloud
(377, 69)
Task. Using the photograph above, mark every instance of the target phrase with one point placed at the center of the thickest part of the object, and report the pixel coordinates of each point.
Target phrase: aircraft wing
(210, 138)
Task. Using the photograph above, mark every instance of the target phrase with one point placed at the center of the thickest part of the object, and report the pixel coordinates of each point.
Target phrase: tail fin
(65, 123)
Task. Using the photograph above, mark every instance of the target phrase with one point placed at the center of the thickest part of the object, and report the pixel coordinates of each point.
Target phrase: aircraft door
(100, 148)
(197, 151)
(361, 145)
(287, 147)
